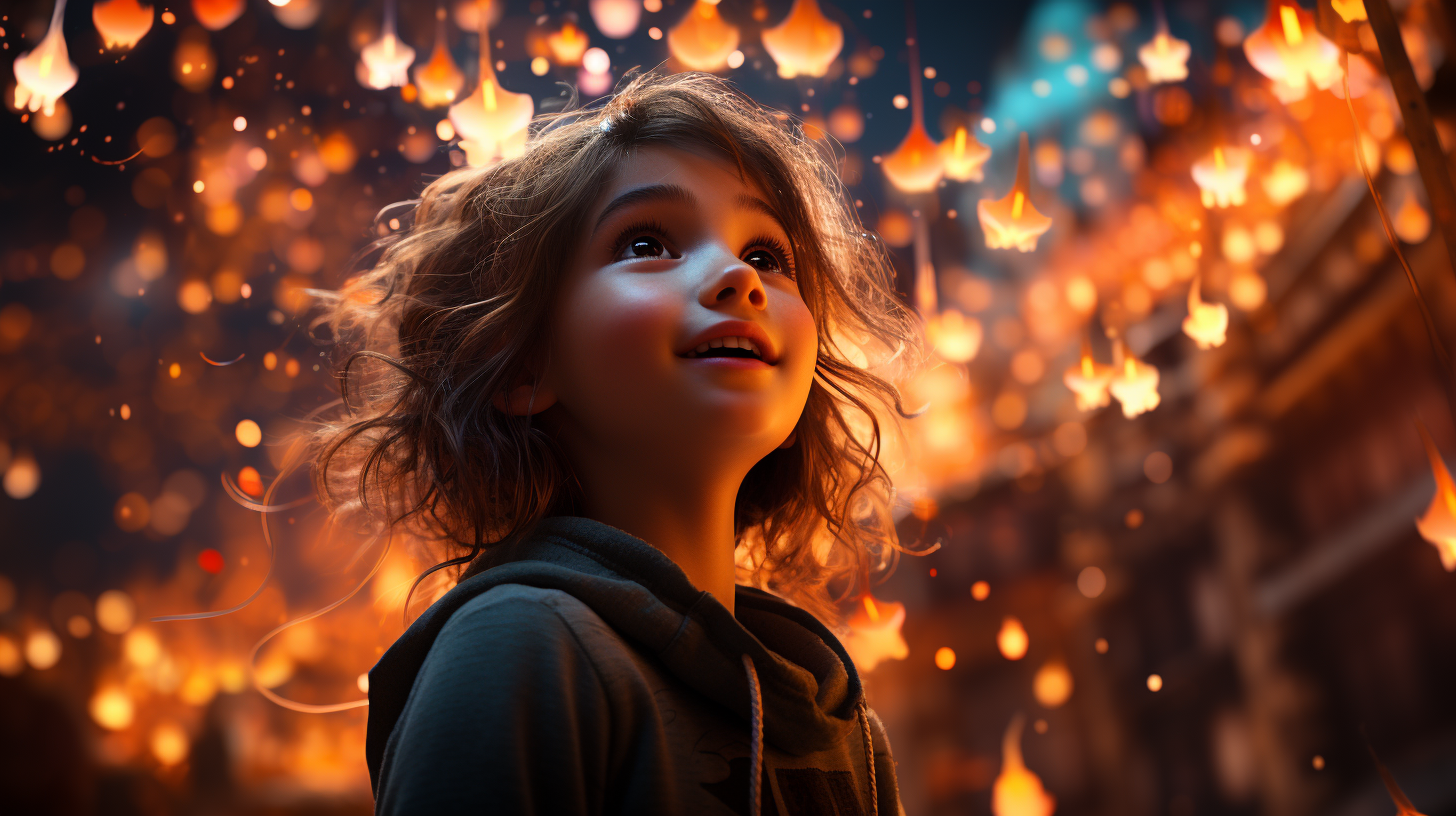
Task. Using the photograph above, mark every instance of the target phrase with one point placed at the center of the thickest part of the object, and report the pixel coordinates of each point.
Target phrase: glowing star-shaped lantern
(1206, 323)
(1165, 57)
(1018, 791)
(1351, 11)
(1438, 525)
(568, 44)
(1285, 182)
(492, 120)
(874, 633)
(122, 23)
(703, 40)
(387, 60)
(616, 18)
(916, 165)
(1135, 385)
(1089, 380)
(1289, 50)
(1013, 221)
(963, 155)
(215, 15)
(439, 80)
(955, 337)
(44, 73)
(805, 43)
(1221, 176)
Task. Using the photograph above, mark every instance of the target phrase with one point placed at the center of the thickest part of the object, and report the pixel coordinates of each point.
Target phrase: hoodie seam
(596, 672)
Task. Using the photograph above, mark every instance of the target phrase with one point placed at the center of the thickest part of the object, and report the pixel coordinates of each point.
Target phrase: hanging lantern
(616, 18)
(1221, 176)
(1135, 385)
(492, 120)
(1013, 221)
(568, 44)
(1018, 791)
(873, 633)
(805, 43)
(1438, 525)
(703, 40)
(1089, 380)
(215, 15)
(1165, 57)
(386, 61)
(955, 337)
(1285, 182)
(122, 23)
(1206, 323)
(963, 155)
(439, 80)
(1288, 49)
(915, 166)
(44, 73)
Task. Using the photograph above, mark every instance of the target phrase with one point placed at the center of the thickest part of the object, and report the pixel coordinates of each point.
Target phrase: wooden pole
(1420, 129)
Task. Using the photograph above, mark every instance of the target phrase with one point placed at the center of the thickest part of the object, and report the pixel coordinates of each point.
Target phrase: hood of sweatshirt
(809, 690)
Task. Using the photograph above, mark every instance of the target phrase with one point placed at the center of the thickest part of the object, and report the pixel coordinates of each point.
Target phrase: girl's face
(678, 257)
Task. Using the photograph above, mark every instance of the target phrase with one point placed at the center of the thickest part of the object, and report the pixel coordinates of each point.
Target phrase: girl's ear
(524, 400)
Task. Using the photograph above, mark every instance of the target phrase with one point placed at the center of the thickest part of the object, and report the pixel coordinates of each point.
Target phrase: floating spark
(45, 73)
(1013, 221)
(805, 43)
(1438, 525)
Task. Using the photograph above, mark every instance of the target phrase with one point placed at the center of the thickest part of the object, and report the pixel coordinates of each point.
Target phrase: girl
(624, 371)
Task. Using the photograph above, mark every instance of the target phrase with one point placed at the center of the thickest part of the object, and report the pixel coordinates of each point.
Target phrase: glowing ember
(1013, 221)
(248, 434)
(122, 23)
(440, 79)
(112, 709)
(1165, 57)
(492, 121)
(916, 165)
(874, 633)
(1052, 685)
(1438, 525)
(169, 743)
(45, 73)
(703, 40)
(1288, 49)
(1221, 176)
(963, 155)
(1018, 791)
(805, 43)
(1412, 223)
(1135, 386)
(568, 44)
(386, 61)
(1089, 380)
(1206, 323)
(1012, 640)
(945, 658)
(955, 337)
(211, 561)
(616, 18)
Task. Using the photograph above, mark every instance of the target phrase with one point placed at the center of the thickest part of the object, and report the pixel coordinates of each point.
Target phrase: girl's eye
(645, 246)
(766, 261)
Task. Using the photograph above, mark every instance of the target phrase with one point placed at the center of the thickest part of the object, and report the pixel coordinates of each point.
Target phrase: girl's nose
(731, 281)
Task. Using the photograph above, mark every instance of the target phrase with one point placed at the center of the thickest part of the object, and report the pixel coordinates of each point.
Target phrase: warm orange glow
(955, 337)
(1438, 525)
(215, 15)
(916, 165)
(122, 23)
(945, 658)
(169, 743)
(45, 73)
(1014, 221)
(963, 155)
(1412, 223)
(1285, 182)
(1052, 685)
(873, 633)
(616, 18)
(112, 709)
(1135, 386)
(1165, 57)
(1012, 639)
(1018, 791)
(439, 80)
(1221, 176)
(703, 40)
(1350, 10)
(386, 61)
(1206, 323)
(1288, 49)
(980, 590)
(567, 44)
(1089, 380)
(492, 121)
(805, 43)
(248, 434)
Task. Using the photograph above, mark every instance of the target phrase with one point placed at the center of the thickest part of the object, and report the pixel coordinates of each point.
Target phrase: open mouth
(729, 347)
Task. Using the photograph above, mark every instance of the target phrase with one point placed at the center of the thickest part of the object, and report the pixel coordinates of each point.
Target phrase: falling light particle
(246, 290)
(42, 649)
(655, 33)
(211, 561)
(169, 743)
(988, 124)
(125, 411)
(1155, 682)
(168, 17)
(174, 370)
(115, 611)
(735, 59)
(363, 682)
(1101, 646)
(111, 708)
(1133, 519)
(980, 590)
(540, 65)
(1318, 762)
(945, 658)
(198, 186)
(1012, 640)
(1091, 582)
(1255, 138)
(248, 433)
(900, 102)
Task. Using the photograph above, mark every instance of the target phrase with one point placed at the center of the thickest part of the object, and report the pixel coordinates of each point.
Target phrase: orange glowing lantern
(215, 15)
(805, 43)
(1285, 182)
(874, 633)
(1438, 525)
(568, 44)
(1089, 380)
(955, 337)
(1412, 223)
(1135, 385)
(439, 80)
(1350, 11)
(703, 40)
(1018, 791)
(1221, 176)
(1288, 49)
(1206, 323)
(616, 18)
(492, 120)
(1011, 640)
(1165, 57)
(963, 155)
(44, 73)
(386, 61)
(916, 165)
(1013, 221)
(122, 23)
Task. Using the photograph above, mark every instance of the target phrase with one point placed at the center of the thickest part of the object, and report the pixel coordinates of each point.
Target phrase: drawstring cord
(755, 749)
(869, 745)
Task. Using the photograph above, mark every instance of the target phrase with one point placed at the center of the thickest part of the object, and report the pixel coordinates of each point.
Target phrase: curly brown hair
(452, 313)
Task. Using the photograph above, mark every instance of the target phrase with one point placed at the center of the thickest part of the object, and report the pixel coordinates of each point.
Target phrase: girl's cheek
(624, 330)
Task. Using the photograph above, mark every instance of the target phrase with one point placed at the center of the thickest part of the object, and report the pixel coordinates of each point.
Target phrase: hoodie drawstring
(869, 746)
(755, 749)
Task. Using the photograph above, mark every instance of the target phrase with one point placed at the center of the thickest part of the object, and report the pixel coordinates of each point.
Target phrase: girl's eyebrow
(640, 195)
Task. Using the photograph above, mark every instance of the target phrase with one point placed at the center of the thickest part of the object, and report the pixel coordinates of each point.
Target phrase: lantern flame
(963, 155)
(874, 633)
(805, 43)
(1013, 221)
(703, 40)
(1206, 323)
(1165, 57)
(1221, 176)
(122, 23)
(1018, 791)
(1288, 49)
(1135, 386)
(1089, 380)
(1438, 525)
(492, 120)
(45, 73)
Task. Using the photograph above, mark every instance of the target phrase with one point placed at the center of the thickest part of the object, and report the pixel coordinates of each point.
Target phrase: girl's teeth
(730, 342)
(702, 349)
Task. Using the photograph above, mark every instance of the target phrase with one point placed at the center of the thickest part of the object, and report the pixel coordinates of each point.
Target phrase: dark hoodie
(580, 671)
